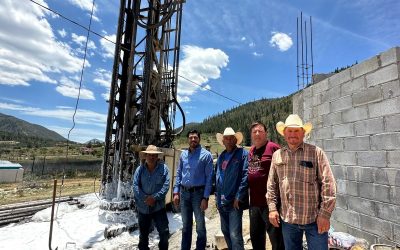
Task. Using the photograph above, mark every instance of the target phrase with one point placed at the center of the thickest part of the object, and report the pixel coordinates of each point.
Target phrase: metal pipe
(52, 213)
(302, 56)
(312, 56)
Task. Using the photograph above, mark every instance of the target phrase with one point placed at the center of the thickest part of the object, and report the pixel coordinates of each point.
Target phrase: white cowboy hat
(151, 149)
(293, 121)
(229, 131)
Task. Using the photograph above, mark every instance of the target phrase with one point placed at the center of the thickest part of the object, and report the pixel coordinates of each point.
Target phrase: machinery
(143, 102)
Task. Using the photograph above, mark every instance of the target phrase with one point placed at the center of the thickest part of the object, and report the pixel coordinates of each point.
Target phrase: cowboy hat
(151, 149)
(229, 131)
(293, 121)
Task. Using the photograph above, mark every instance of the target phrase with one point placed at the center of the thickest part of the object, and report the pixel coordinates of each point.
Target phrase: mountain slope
(13, 128)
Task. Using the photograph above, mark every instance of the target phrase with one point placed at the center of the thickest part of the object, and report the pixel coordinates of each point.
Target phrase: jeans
(231, 226)
(161, 221)
(190, 203)
(293, 236)
(259, 224)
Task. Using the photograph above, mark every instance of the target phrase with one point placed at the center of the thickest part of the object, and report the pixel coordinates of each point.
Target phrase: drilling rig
(143, 95)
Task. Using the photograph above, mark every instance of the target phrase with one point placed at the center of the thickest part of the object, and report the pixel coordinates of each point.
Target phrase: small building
(10, 172)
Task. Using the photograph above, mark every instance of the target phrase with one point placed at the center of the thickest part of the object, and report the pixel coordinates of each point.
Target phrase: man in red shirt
(260, 157)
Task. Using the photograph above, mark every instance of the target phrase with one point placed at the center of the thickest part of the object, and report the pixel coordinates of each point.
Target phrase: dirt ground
(213, 228)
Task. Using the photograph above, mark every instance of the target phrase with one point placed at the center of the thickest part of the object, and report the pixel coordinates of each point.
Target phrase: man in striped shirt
(301, 179)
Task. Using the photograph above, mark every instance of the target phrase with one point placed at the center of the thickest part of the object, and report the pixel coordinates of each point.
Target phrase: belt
(192, 189)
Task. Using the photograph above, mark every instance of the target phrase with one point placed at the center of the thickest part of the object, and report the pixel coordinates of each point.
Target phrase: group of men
(289, 191)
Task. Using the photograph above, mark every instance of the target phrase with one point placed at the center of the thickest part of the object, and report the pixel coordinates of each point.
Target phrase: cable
(78, 98)
(230, 99)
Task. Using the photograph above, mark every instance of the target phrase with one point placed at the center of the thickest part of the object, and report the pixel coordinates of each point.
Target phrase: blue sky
(245, 50)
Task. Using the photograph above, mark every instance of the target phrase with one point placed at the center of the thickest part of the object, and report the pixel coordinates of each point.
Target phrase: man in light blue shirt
(192, 188)
(150, 186)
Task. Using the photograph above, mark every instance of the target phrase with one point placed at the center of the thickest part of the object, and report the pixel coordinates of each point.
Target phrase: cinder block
(354, 86)
(333, 145)
(352, 188)
(372, 159)
(324, 133)
(386, 141)
(339, 172)
(387, 211)
(331, 94)
(367, 190)
(344, 158)
(343, 130)
(364, 67)
(341, 104)
(339, 78)
(382, 192)
(361, 233)
(316, 99)
(297, 102)
(391, 89)
(396, 233)
(360, 205)
(322, 109)
(376, 226)
(390, 56)
(341, 201)
(369, 95)
(346, 216)
(392, 123)
(359, 143)
(354, 173)
(395, 195)
(355, 114)
(332, 119)
(394, 159)
(338, 226)
(370, 126)
(368, 174)
(388, 176)
(382, 75)
(321, 86)
(308, 92)
(386, 107)
(341, 187)
(307, 114)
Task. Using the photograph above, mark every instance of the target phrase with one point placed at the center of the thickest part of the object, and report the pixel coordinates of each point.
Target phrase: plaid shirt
(304, 183)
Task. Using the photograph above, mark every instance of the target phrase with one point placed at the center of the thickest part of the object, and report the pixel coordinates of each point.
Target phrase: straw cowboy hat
(293, 121)
(229, 131)
(151, 149)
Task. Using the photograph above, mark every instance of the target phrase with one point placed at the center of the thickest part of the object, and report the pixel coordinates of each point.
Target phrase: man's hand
(176, 200)
(150, 201)
(204, 205)
(236, 203)
(323, 224)
(274, 218)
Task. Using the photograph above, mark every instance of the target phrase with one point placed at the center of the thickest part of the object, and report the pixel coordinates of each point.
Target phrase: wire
(228, 98)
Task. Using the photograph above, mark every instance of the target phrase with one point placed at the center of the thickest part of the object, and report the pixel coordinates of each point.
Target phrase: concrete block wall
(356, 119)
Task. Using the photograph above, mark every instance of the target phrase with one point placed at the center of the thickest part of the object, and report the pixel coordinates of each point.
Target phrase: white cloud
(82, 116)
(252, 44)
(28, 32)
(103, 78)
(182, 99)
(81, 135)
(199, 65)
(69, 88)
(81, 40)
(108, 47)
(281, 40)
(62, 33)
(87, 6)
(243, 38)
(257, 54)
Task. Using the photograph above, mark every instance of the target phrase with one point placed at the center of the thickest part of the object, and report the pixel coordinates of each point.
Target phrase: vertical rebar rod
(297, 53)
(305, 39)
(302, 55)
(312, 56)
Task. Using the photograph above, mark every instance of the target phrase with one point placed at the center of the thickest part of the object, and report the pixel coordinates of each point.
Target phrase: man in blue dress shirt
(150, 186)
(192, 188)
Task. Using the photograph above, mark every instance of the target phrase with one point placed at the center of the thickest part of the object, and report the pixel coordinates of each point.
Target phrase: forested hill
(268, 111)
(14, 129)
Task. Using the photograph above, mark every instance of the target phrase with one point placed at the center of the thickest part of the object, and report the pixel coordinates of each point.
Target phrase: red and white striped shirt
(304, 183)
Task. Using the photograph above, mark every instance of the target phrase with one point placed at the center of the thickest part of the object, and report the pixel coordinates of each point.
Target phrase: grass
(43, 189)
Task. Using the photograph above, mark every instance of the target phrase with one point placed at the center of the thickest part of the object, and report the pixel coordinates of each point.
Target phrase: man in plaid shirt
(301, 179)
